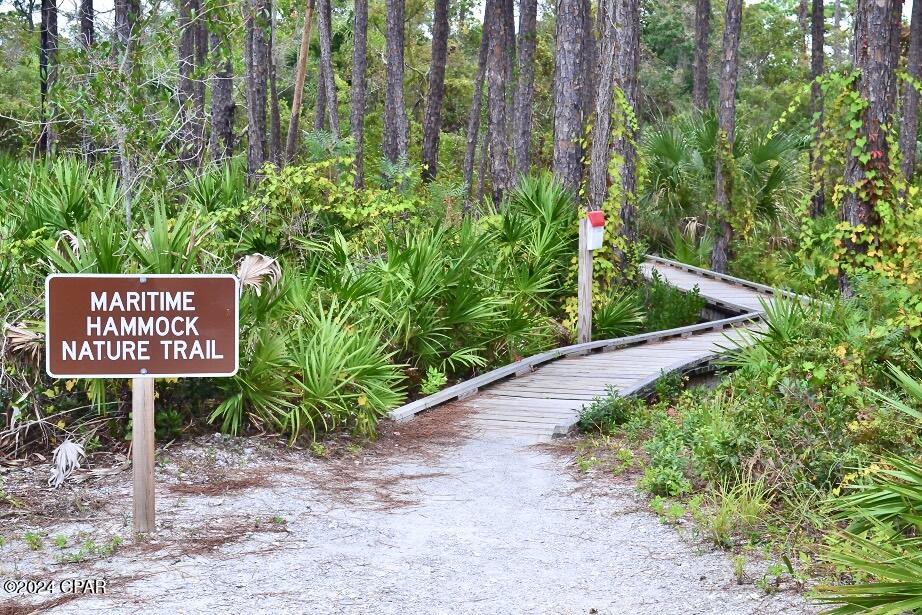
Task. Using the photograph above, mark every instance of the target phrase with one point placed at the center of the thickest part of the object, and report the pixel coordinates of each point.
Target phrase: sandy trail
(485, 525)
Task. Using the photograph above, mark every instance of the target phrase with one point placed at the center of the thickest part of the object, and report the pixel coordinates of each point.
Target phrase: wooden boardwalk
(540, 397)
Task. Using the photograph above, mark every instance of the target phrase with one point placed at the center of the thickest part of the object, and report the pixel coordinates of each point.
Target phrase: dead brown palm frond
(72, 241)
(254, 269)
(23, 341)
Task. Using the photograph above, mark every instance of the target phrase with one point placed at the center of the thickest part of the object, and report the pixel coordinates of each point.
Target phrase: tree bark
(473, 122)
(186, 53)
(909, 128)
(497, 70)
(877, 24)
(601, 129)
(222, 102)
(291, 143)
(700, 66)
(126, 15)
(256, 60)
(509, 78)
(201, 59)
(48, 72)
(627, 18)
(357, 111)
(525, 86)
(320, 102)
(87, 24)
(726, 129)
(482, 166)
(432, 121)
(395, 115)
(817, 59)
(275, 120)
(589, 81)
(86, 39)
(325, 30)
(568, 95)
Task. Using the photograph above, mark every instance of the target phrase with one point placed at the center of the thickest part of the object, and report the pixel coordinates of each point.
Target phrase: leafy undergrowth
(353, 300)
(807, 452)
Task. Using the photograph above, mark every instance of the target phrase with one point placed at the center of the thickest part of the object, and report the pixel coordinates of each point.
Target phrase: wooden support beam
(142, 453)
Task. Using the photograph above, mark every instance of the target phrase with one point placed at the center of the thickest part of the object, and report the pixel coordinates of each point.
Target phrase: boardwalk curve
(540, 397)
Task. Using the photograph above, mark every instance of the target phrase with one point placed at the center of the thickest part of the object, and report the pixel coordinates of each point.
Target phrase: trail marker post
(591, 236)
(141, 327)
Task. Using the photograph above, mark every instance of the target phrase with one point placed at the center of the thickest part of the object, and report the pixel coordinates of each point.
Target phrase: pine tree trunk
(275, 120)
(817, 59)
(201, 60)
(568, 94)
(256, 60)
(48, 73)
(126, 15)
(291, 143)
(222, 103)
(86, 39)
(395, 115)
(589, 81)
(525, 90)
(473, 122)
(876, 42)
(700, 67)
(601, 128)
(909, 128)
(320, 102)
(627, 16)
(509, 79)
(87, 24)
(432, 121)
(186, 91)
(497, 70)
(482, 166)
(325, 29)
(357, 111)
(726, 129)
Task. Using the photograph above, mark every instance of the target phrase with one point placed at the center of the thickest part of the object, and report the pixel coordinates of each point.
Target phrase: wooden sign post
(142, 453)
(584, 286)
(141, 327)
(591, 234)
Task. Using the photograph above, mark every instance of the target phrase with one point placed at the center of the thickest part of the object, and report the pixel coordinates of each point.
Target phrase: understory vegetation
(352, 301)
(807, 447)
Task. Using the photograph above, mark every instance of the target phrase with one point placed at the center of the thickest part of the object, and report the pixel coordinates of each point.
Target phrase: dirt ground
(428, 519)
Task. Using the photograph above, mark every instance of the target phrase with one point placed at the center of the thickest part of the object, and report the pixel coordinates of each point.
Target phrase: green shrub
(668, 308)
(607, 414)
(665, 475)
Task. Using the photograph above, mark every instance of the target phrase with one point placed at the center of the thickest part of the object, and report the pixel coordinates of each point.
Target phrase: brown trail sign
(120, 326)
(141, 327)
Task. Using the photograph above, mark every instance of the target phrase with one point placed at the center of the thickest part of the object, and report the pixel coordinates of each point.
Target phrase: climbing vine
(887, 248)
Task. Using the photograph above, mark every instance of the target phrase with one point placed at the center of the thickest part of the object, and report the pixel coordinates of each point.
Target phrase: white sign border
(236, 280)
